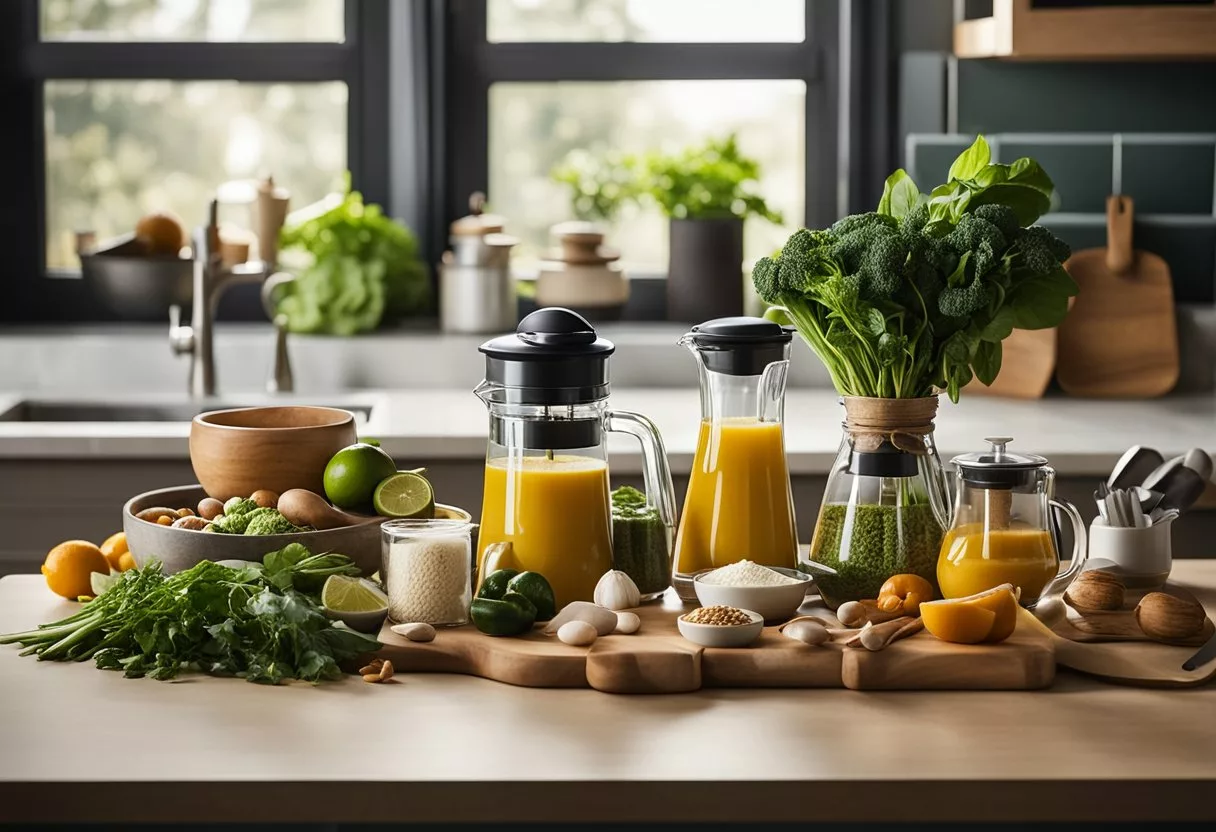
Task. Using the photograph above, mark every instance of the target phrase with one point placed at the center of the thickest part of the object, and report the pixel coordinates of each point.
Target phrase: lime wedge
(343, 593)
(404, 494)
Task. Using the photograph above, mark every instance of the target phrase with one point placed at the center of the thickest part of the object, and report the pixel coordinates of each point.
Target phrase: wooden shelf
(1020, 30)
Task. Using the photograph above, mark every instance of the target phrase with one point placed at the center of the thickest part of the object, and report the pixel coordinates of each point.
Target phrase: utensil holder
(1143, 557)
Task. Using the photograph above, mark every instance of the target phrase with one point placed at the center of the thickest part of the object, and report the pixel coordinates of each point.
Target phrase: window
(155, 104)
(558, 76)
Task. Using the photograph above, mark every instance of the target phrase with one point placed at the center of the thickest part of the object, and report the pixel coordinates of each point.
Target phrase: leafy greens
(262, 622)
(918, 295)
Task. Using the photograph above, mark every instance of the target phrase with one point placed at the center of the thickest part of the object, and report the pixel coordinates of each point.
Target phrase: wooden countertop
(79, 744)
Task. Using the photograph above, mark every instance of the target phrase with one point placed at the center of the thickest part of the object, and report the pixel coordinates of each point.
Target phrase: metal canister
(476, 289)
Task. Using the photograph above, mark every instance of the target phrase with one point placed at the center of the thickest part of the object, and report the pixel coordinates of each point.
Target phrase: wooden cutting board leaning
(1120, 339)
(1027, 365)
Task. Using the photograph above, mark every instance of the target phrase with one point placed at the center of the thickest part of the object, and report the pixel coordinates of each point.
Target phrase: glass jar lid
(997, 467)
(740, 346)
(554, 357)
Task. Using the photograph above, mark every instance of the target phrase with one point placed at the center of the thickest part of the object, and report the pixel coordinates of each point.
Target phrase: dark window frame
(34, 294)
(473, 64)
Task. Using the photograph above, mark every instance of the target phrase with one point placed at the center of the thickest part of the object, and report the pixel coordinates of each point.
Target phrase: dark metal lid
(997, 467)
(740, 346)
(554, 357)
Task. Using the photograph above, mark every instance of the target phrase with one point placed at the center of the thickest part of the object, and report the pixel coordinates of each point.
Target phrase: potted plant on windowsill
(706, 192)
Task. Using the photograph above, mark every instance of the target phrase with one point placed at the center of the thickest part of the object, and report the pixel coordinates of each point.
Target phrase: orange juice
(738, 503)
(555, 514)
(973, 560)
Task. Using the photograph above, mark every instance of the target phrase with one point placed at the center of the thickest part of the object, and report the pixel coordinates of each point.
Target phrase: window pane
(534, 125)
(116, 150)
(652, 21)
(193, 20)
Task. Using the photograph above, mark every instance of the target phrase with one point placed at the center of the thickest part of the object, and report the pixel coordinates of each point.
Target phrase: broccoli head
(805, 256)
(1040, 250)
(915, 220)
(882, 264)
(239, 505)
(858, 222)
(268, 521)
(1002, 216)
(964, 301)
(976, 234)
(230, 523)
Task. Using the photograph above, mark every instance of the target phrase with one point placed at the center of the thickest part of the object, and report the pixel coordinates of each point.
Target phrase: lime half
(343, 593)
(405, 494)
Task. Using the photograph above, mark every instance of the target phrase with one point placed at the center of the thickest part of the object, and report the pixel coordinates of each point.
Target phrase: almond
(1097, 590)
(1164, 616)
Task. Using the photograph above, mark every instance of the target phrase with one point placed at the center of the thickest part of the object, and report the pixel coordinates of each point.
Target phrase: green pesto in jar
(641, 541)
(881, 541)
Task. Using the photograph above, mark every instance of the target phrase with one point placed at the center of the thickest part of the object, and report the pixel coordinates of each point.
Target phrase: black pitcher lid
(741, 346)
(554, 357)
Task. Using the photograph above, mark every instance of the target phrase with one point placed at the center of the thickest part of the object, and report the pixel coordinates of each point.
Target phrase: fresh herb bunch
(711, 181)
(364, 268)
(918, 295)
(262, 622)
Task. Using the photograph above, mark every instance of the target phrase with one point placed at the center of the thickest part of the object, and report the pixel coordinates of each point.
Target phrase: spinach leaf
(971, 161)
(987, 361)
(899, 195)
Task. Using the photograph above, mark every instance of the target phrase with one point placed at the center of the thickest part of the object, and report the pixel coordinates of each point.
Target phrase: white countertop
(1080, 437)
(81, 744)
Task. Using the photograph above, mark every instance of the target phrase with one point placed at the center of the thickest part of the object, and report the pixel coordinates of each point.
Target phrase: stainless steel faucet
(211, 280)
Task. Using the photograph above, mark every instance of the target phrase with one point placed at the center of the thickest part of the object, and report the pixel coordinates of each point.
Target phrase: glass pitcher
(546, 476)
(1002, 530)
(885, 505)
(738, 504)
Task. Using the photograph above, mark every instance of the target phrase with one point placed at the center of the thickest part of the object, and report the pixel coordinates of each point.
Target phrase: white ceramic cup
(1143, 555)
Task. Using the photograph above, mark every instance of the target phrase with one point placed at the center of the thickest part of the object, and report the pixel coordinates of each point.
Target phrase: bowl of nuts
(721, 626)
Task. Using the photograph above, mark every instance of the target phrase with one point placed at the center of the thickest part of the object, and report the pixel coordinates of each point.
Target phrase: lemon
(113, 548)
(405, 494)
(989, 616)
(69, 566)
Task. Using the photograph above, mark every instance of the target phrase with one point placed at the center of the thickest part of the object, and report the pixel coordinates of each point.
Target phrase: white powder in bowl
(428, 579)
(746, 573)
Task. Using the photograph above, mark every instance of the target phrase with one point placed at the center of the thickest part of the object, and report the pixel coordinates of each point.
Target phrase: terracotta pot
(236, 452)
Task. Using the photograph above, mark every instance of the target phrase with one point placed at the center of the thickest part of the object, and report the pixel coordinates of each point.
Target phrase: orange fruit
(113, 548)
(68, 566)
(989, 616)
(161, 233)
(126, 561)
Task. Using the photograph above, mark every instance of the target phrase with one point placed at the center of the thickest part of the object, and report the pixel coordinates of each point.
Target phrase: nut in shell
(191, 522)
(1164, 616)
(1097, 590)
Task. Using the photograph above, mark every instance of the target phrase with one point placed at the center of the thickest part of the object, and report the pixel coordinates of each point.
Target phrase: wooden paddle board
(657, 659)
(1120, 338)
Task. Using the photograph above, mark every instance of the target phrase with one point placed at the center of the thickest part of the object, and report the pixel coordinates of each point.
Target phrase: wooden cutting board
(658, 660)
(1028, 362)
(1120, 338)
(1140, 663)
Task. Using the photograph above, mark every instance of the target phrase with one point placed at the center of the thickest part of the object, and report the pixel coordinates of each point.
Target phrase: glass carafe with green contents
(738, 504)
(886, 503)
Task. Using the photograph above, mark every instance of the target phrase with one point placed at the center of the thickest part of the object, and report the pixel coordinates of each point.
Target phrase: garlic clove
(627, 623)
(577, 633)
(604, 620)
(617, 591)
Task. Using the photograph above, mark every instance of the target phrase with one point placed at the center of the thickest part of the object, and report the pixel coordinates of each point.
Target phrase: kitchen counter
(1080, 437)
(80, 744)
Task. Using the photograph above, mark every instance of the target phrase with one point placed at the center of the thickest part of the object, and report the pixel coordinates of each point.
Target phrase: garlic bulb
(617, 591)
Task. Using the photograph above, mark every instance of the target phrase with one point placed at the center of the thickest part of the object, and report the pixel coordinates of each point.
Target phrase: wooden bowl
(236, 452)
(180, 549)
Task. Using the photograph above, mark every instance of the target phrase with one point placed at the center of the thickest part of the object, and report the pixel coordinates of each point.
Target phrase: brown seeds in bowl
(718, 615)
(210, 508)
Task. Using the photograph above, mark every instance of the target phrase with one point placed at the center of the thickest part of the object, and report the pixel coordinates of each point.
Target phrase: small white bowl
(774, 603)
(718, 635)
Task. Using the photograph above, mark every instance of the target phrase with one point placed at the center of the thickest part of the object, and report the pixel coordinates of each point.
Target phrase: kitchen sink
(35, 410)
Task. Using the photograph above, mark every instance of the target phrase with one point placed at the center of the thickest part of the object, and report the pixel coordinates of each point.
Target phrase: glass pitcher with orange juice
(546, 476)
(738, 504)
(1002, 530)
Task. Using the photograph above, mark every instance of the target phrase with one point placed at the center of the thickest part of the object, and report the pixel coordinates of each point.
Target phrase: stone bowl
(239, 451)
(179, 549)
